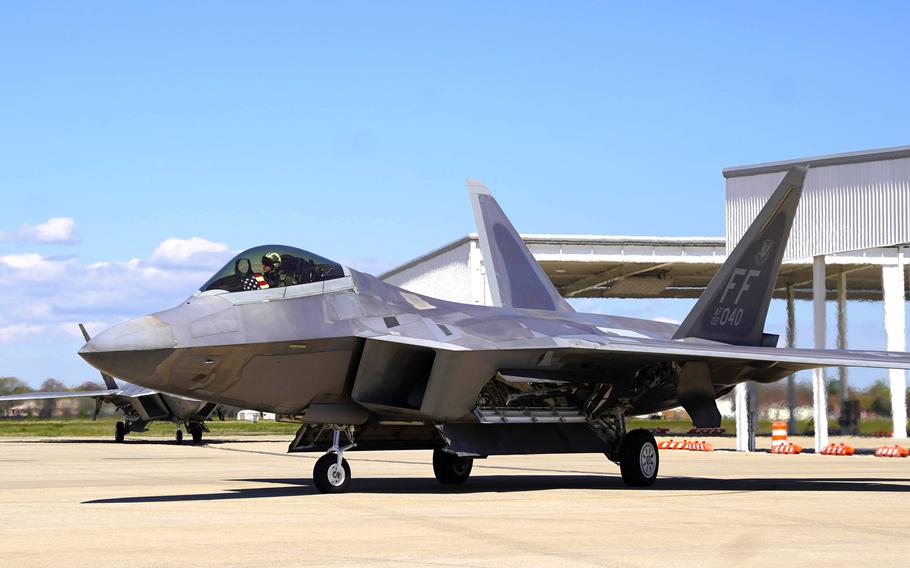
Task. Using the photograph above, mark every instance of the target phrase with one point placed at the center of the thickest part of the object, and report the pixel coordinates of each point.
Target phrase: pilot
(274, 275)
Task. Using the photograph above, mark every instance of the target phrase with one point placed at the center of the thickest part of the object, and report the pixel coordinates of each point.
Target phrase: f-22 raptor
(140, 406)
(364, 364)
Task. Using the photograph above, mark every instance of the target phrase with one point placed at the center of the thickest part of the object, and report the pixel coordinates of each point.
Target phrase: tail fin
(109, 381)
(734, 306)
(516, 279)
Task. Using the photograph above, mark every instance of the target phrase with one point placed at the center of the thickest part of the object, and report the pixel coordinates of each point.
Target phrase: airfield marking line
(410, 462)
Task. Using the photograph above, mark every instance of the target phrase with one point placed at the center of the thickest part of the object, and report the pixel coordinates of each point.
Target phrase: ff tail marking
(734, 306)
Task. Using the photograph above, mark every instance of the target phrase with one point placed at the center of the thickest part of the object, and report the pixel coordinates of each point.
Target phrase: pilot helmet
(272, 259)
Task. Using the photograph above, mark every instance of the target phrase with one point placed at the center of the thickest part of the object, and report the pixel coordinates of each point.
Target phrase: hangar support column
(745, 404)
(895, 324)
(791, 343)
(842, 336)
(819, 396)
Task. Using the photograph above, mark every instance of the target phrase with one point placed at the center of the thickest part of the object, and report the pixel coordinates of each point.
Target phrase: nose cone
(131, 350)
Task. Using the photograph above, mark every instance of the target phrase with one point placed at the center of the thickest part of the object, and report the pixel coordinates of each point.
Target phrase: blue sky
(349, 131)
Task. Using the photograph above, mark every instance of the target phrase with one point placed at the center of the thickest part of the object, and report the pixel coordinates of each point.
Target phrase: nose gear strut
(331, 474)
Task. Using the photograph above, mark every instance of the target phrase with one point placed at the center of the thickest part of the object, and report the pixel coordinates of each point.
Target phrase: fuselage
(283, 349)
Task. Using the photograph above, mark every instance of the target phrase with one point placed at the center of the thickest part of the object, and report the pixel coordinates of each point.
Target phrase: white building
(849, 240)
(254, 415)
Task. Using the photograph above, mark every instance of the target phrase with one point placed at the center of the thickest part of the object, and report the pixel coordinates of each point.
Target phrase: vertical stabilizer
(516, 279)
(109, 381)
(734, 306)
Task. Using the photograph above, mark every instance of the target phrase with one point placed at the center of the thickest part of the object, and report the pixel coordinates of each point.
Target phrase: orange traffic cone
(779, 433)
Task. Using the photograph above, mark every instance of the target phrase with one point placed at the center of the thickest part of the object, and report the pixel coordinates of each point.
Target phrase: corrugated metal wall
(845, 207)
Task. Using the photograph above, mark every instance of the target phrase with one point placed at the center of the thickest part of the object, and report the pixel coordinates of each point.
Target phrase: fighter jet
(364, 364)
(139, 406)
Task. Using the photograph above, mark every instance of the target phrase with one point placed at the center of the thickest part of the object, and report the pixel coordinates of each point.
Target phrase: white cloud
(56, 230)
(193, 250)
(16, 332)
(21, 331)
(33, 267)
(50, 295)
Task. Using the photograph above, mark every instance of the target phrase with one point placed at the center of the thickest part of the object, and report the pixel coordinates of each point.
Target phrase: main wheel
(119, 432)
(179, 436)
(638, 459)
(195, 429)
(451, 469)
(328, 477)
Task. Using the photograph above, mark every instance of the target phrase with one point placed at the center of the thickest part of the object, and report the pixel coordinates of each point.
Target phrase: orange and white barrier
(700, 447)
(838, 450)
(705, 431)
(786, 448)
(779, 434)
(673, 445)
(891, 452)
(685, 445)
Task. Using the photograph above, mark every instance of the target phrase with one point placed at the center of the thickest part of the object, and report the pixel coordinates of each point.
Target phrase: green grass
(105, 427)
(866, 427)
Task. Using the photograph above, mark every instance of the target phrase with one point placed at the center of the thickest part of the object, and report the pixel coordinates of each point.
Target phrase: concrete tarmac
(245, 502)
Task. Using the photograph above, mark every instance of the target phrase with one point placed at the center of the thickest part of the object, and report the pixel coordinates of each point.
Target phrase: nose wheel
(332, 474)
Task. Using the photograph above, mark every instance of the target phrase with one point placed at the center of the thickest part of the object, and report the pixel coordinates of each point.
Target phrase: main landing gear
(451, 469)
(331, 474)
(195, 429)
(638, 458)
(119, 432)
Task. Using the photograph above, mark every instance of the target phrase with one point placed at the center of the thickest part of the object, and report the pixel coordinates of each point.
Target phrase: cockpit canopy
(246, 272)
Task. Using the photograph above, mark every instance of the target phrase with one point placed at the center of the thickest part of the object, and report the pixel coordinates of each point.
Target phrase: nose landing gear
(331, 474)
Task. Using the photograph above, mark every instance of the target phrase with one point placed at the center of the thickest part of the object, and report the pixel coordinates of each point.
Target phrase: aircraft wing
(600, 349)
(64, 394)
(795, 359)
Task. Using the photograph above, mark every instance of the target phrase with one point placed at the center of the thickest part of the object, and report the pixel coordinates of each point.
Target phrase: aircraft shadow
(290, 487)
(128, 442)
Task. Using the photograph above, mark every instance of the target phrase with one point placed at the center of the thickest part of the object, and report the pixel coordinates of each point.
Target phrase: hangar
(849, 242)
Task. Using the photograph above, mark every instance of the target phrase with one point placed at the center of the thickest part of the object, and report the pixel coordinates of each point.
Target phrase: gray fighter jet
(139, 406)
(362, 363)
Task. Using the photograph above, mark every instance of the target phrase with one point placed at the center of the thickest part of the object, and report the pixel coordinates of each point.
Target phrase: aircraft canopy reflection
(251, 269)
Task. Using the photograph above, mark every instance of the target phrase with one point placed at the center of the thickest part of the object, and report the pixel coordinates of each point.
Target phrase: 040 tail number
(727, 316)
